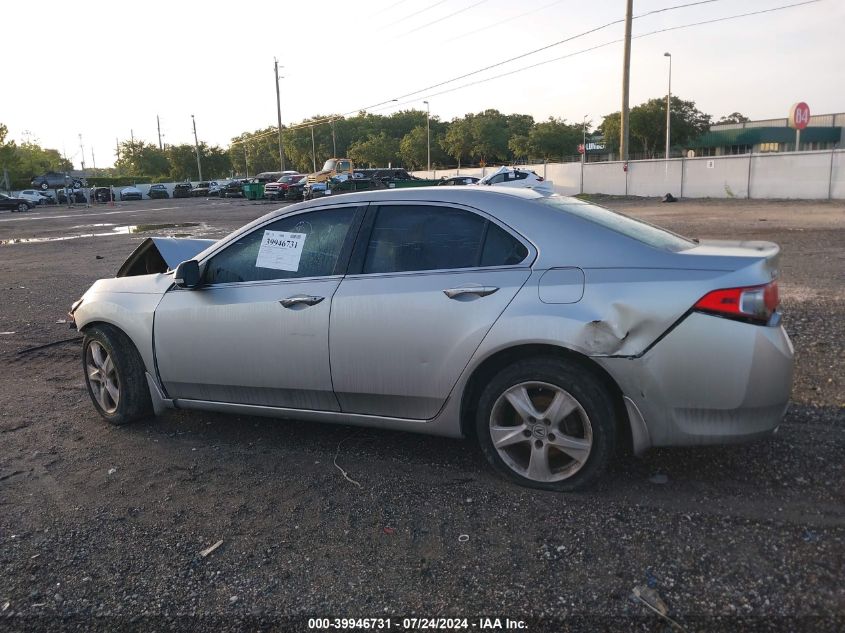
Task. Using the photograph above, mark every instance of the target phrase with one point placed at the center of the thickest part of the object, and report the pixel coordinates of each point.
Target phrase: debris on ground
(211, 548)
(649, 597)
(112, 471)
(388, 530)
(463, 538)
(337, 453)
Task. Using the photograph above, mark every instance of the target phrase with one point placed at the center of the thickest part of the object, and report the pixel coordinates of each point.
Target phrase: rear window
(639, 230)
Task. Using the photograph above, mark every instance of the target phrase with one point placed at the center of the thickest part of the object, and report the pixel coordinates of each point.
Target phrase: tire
(585, 429)
(107, 352)
(23, 207)
(77, 184)
(44, 186)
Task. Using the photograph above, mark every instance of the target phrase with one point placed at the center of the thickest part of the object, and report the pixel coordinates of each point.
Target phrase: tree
(413, 148)
(554, 138)
(489, 136)
(457, 142)
(376, 150)
(142, 159)
(648, 125)
(734, 117)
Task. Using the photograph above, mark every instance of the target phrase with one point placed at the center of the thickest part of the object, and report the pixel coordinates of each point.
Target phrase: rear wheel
(23, 207)
(114, 375)
(44, 186)
(547, 423)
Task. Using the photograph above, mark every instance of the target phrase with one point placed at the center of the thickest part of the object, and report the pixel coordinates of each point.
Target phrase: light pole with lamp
(584, 148)
(428, 134)
(668, 104)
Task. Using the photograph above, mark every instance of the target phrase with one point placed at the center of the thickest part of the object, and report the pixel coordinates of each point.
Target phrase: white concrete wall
(654, 177)
(796, 175)
(607, 178)
(803, 175)
(716, 177)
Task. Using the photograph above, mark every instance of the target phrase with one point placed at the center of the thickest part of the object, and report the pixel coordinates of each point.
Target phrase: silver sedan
(553, 331)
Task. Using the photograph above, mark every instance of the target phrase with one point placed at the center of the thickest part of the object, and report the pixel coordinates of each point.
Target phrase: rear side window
(631, 227)
(421, 237)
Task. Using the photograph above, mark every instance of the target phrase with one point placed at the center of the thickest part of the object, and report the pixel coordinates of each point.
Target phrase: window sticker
(280, 250)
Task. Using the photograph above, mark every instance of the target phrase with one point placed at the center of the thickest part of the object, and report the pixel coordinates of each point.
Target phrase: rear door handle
(308, 300)
(481, 291)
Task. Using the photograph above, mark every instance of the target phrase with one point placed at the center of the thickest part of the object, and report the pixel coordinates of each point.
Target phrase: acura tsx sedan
(554, 332)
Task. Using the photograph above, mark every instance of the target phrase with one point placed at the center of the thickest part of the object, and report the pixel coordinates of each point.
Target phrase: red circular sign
(799, 115)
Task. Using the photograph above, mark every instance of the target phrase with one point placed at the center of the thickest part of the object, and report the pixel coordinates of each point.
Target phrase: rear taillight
(753, 303)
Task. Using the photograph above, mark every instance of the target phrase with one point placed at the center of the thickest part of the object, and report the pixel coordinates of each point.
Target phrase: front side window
(421, 237)
(497, 179)
(303, 245)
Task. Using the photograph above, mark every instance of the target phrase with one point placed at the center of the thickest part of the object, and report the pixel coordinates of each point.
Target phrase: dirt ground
(101, 528)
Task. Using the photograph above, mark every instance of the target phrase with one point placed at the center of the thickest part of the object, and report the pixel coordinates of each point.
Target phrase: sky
(105, 69)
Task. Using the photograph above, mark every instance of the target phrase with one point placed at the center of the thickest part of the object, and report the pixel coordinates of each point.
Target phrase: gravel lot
(101, 528)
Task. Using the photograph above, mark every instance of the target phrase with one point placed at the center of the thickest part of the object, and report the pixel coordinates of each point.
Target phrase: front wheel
(44, 186)
(548, 424)
(23, 207)
(114, 375)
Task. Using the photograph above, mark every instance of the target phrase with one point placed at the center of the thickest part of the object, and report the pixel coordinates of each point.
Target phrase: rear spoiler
(160, 254)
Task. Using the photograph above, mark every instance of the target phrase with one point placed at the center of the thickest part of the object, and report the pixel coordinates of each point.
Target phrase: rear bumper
(709, 381)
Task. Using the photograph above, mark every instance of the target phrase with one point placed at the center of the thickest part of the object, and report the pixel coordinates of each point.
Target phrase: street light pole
(624, 132)
(313, 151)
(668, 104)
(584, 146)
(279, 114)
(197, 147)
(428, 134)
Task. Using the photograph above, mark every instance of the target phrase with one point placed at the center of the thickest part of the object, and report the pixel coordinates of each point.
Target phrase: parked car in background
(459, 180)
(200, 190)
(158, 191)
(182, 190)
(233, 189)
(76, 195)
(33, 195)
(296, 190)
(514, 177)
(15, 204)
(131, 193)
(56, 180)
(556, 333)
(271, 176)
(215, 187)
(276, 190)
(102, 194)
(47, 197)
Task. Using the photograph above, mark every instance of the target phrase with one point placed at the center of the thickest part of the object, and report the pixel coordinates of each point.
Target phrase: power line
(395, 4)
(616, 41)
(416, 13)
(445, 17)
(516, 17)
(553, 44)
(395, 102)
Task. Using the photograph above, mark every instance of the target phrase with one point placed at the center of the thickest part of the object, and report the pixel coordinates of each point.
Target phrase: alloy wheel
(102, 377)
(541, 431)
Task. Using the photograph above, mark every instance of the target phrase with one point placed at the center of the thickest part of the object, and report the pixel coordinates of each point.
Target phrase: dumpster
(254, 191)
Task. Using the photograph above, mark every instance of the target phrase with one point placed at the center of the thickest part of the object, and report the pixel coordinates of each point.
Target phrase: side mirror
(187, 275)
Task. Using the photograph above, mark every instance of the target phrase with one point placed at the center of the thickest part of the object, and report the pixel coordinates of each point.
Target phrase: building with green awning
(825, 131)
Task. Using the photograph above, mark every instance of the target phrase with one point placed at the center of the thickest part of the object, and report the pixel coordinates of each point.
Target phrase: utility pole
(334, 143)
(624, 132)
(668, 104)
(279, 114)
(246, 163)
(313, 150)
(197, 147)
(158, 125)
(428, 134)
(93, 160)
(117, 148)
(82, 153)
(132, 136)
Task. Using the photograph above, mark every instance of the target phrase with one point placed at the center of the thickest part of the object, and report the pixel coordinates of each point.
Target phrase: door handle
(481, 291)
(308, 300)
